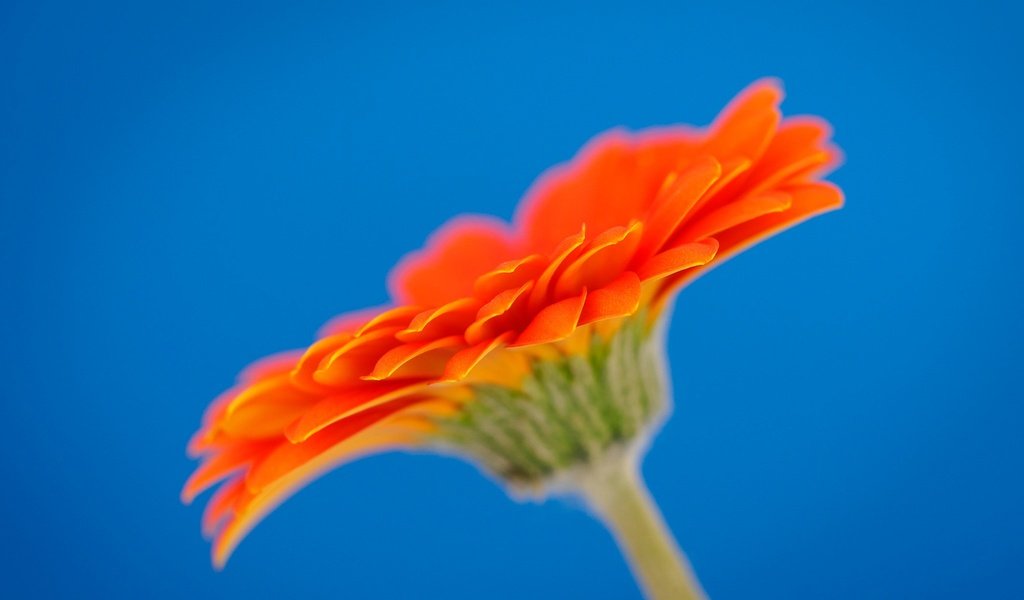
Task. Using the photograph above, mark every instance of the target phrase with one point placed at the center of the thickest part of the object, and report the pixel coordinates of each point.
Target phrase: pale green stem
(615, 491)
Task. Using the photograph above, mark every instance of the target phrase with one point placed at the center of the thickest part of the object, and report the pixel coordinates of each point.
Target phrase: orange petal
(735, 213)
(481, 285)
(797, 150)
(685, 256)
(348, 322)
(289, 473)
(270, 366)
(801, 131)
(804, 164)
(746, 126)
(444, 320)
(555, 322)
(199, 443)
(602, 187)
(734, 172)
(264, 408)
(601, 262)
(502, 313)
(458, 253)
(567, 249)
(290, 454)
(356, 358)
(800, 146)
(264, 418)
(797, 138)
(807, 201)
(397, 316)
(210, 438)
(620, 298)
(221, 465)
(331, 410)
(215, 411)
(463, 361)
(221, 503)
(400, 358)
(509, 276)
(302, 374)
(675, 201)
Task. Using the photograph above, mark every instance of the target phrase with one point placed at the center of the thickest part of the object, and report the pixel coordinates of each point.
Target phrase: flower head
(521, 346)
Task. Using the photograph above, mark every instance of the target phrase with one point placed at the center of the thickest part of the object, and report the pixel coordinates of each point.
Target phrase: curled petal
(602, 260)
(459, 365)
(680, 258)
(400, 361)
(501, 314)
(262, 409)
(356, 357)
(564, 253)
(620, 298)
(397, 316)
(734, 172)
(337, 408)
(681, 193)
(797, 149)
(444, 320)
(509, 275)
(806, 201)
(735, 213)
(554, 322)
(264, 417)
(287, 455)
(302, 375)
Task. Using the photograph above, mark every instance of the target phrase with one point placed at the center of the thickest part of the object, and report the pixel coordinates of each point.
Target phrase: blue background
(187, 187)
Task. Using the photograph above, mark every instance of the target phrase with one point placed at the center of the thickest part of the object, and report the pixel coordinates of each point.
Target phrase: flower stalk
(615, 491)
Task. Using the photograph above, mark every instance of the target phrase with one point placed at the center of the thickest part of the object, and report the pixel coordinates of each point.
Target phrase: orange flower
(602, 240)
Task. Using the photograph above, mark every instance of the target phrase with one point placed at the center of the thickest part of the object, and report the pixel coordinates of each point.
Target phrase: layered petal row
(615, 231)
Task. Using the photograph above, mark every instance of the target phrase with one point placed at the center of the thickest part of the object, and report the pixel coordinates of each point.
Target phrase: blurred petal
(455, 256)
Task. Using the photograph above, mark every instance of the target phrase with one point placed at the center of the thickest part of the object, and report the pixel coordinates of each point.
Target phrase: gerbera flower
(530, 348)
